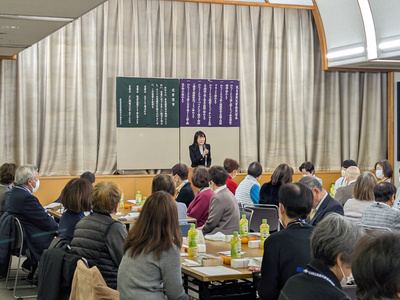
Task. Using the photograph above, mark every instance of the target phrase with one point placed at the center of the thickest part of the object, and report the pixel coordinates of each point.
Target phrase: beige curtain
(58, 99)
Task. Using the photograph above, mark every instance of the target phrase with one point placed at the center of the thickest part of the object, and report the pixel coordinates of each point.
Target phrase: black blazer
(197, 158)
(39, 227)
(284, 251)
(186, 194)
(269, 193)
(329, 205)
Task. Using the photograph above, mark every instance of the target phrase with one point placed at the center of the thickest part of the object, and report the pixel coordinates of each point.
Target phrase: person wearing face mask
(223, 214)
(180, 174)
(39, 227)
(287, 249)
(345, 192)
(332, 245)
(231, 166)
(307, 169)
(383, 171)
(341, 181)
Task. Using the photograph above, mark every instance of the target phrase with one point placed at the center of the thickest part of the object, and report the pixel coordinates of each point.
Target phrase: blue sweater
(67, 224)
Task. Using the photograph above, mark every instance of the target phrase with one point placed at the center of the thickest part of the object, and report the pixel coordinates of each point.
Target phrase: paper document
(215, 271)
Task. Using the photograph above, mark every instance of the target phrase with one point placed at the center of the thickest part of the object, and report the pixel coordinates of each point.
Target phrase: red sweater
(198, 208)
(231, 185)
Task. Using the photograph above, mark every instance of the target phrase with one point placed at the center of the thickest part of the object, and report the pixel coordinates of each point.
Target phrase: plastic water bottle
(244, 227)
(138, 198)
(333, 191)
(236, 246)
(192, 241)
(121, 202)
(264, 232)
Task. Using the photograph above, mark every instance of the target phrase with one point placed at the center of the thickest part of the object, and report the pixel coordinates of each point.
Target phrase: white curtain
(58, 99)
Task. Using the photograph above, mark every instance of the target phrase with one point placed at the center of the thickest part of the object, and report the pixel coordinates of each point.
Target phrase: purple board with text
(209, 103)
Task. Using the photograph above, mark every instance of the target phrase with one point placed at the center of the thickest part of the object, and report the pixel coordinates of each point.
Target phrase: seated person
(231, 166)
(288, 249)
(248, 191)
(341, 181)
(163, 182)
(180, 174)
(76, 198)
(87, 175)
(151, 265)
(307, 169)
(269, 190)
(223, 215)
(323, 202)
(363, 196)
(199, 207)
(7, 176)
(39, 227)
(381, 212)
(345, 193)
(384, 171)
(99, 237)
(332, 245)
(376, 266)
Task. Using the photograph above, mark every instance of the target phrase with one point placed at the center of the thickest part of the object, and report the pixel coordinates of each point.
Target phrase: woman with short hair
(376, 266)
(363, 196)
(99, 237)
(151, 265)
(332, 245)
(76, 199)
(384, 171)
(199, 207)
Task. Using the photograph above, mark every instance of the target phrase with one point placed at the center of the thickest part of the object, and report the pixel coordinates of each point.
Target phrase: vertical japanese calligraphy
(209, 103)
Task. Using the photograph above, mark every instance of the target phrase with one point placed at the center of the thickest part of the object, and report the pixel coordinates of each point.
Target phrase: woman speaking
(200, 152)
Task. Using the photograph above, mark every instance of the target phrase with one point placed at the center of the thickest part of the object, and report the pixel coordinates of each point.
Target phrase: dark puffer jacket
(99, 239)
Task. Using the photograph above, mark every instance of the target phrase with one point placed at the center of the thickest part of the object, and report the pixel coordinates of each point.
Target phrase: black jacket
(57, 267)
(269, 193)
(39, 227)
(8, 245)
(329, 205)
(197, 158)
(284, 251)
(307, 287)
(186, 194)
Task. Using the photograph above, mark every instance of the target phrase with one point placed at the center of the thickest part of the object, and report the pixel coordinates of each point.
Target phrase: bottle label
(244, 229)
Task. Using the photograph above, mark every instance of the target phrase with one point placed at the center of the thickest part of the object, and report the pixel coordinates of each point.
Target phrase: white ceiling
(19, 27)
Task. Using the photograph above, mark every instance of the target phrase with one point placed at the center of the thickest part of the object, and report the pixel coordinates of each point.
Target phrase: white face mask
(379, 174)
(345, 279)
(34, 189)
(343, 173)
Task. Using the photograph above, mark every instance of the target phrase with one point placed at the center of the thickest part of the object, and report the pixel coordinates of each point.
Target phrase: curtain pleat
(58, 99)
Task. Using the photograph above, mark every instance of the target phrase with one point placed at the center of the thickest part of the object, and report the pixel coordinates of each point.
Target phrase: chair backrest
(185, 229)
(248, 212)
(19, 236)
(267, 211)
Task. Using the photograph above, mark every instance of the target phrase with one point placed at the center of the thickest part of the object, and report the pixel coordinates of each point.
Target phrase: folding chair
(246, 211)
(264, 211)
(20, 255)
(184, 225)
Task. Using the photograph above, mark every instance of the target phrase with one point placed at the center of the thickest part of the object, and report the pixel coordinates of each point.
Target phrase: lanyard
(297, 221)
(23, 188)
(315, 274)
(7, 186)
